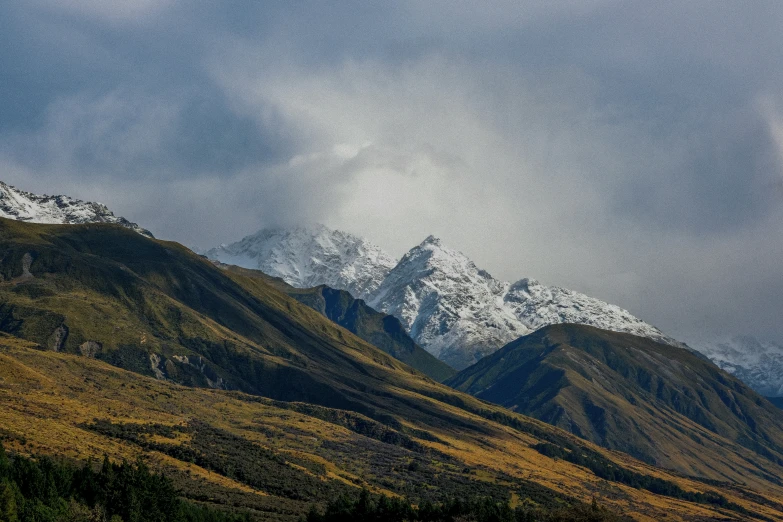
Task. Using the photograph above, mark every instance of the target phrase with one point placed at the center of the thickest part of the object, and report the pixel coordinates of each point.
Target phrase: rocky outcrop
(90, 349)
(57, 339)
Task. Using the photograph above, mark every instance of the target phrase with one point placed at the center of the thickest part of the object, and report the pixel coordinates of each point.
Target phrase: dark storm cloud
(727, 177)
(629, 149)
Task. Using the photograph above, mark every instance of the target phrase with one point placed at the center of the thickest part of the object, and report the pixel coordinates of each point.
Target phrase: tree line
(380, 508)
(46, 490)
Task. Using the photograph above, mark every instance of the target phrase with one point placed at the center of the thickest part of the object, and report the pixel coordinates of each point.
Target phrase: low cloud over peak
(628, 150)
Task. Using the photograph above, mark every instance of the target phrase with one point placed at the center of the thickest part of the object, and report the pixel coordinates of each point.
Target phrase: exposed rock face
(57, 339)
(155, 361)
(27, 262)
(213, 380)
(191, 369)
(90, 349)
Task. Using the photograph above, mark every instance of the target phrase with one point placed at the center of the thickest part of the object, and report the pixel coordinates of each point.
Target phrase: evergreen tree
(46, 490)
(8, 511)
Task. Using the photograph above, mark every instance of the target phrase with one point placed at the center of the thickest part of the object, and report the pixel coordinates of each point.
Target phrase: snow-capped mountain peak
(431, 240)
(311, 255)
(449, 306)
(453, 309)
(26, 206)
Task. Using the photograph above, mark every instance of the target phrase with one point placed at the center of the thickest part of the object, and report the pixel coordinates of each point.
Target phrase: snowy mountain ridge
(308, 256)
(757, 363)
(26, 206)
(449, 306)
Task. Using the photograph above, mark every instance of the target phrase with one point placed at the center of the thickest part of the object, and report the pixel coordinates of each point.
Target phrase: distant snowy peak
(449, 306)
(309, 256)
(25, 206)
(460, 313)
(757, 363)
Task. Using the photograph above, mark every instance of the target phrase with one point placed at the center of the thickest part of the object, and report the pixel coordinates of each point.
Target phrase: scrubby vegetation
(384, 509)
(44, 490)
(607, 470)
(415, 476)
(233, 457)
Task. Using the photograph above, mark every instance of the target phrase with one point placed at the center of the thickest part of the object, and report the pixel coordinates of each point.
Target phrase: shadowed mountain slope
(660, 403)
(450, 307)
(381, 330)
(777, 401)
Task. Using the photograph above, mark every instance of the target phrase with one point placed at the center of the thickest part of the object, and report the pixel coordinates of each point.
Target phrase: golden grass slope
(47, 398)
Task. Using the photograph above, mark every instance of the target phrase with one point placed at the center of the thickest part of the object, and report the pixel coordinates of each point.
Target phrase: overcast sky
(630, 150)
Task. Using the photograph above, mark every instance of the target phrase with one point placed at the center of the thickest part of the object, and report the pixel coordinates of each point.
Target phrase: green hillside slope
(659, 403)
(274, 460)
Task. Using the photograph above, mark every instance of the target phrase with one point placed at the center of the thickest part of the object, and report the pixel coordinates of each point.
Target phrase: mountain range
(459, 312)
(449, 306)
(262, 398)
(122, 345)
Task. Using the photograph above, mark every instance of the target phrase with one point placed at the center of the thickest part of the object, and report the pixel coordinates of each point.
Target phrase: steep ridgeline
(383, 331)
(25, 206)
(460, 313)
(309, 256)
(450, 307)
(323, 412)
(660, 403)
(759, 364)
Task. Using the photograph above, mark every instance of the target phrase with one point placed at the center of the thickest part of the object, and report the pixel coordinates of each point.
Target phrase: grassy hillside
(659, 403)
(381, 330)
(274, 459)
(250, 399)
